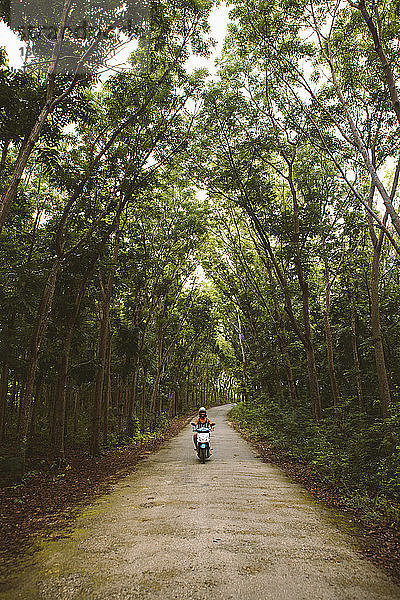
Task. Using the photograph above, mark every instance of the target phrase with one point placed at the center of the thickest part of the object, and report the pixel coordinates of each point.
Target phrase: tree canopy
(170, 239)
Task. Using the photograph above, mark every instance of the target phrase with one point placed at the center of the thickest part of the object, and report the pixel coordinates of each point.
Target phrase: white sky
(218, 24)
(218, 20)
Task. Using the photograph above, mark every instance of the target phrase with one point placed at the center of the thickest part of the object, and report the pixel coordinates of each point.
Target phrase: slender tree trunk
(3, 399)
(356, 360)
(290, 377)
(35, 404)
(244, 361)
(157, 379)
(132, 399)
(38, 333)
(75, 411)
(154, 396)
(98, 395)
(121, 408)
(313, 384)
(143, 401)
(102, 349)
(384, 389)
(58, 433)
(185, 401)
(305, 293)
(107, 392)
(4, 153)
(171, 400)
(377, 242)
(14, 393)
(278, 382)
(329, 345)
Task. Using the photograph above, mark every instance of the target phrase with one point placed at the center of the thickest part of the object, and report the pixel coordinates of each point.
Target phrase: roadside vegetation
(170, 240)
(356, 459)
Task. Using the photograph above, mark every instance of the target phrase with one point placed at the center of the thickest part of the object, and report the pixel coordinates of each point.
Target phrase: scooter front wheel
(202, 455)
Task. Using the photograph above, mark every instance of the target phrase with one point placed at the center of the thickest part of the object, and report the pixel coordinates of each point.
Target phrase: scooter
(203, 448)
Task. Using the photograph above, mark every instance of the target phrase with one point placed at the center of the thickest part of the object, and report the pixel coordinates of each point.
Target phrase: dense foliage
(170, 240)
(105, 332)
(356, 458)
(298, 148)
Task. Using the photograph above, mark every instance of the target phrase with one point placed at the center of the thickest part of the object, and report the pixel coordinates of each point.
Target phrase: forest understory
(376, 533)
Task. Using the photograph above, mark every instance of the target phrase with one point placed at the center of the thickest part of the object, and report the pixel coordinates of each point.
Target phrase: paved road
(234, 528)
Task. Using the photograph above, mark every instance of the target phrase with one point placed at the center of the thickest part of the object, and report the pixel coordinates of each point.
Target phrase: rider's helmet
(202, 412)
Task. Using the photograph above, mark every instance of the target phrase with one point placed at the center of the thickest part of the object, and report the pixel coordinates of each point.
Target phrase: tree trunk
(244, 361)
(313, 384)
(154, 396)
(329, 346)
(132, 399)
(356, 360)
(305, 293)
(75, 411)
(38, 333)
(3, 399)
(4, 153)
(384, 390)
(143, 401)
(35, 404)
(290, 378)
(58, 433)
(377, 242)
(102, 348)
(98, 394)
(107, 392)
(278, 382)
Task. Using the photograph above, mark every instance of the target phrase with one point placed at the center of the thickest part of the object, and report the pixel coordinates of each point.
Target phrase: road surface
(234, 528)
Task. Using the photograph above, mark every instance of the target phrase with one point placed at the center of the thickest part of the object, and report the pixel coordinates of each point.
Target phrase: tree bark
(356, 360)
(244, 361)
(98, 394)
(329, 345)
(58, 432)
(132, 399)
(143, 400)
(377, 243)
(4, 153)
(3, 399)
(107, 391)
(384, 390)
(38, 333)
